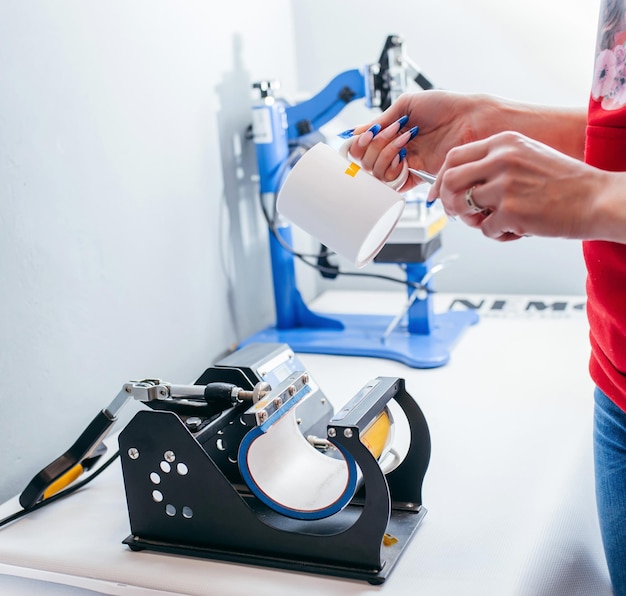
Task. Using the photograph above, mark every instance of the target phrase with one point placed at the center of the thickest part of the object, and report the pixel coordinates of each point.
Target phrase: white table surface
(509, 489)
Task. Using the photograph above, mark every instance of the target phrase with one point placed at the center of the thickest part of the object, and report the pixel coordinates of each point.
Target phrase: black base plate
(402, 525)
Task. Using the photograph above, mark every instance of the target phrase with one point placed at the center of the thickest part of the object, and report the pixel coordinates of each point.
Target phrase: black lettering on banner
(556, 306)
(520, 306)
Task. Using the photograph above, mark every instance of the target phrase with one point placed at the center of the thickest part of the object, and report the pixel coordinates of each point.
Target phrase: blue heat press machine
(417, 337)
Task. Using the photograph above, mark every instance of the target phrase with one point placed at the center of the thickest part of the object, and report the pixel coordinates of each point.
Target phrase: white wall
(535, 51)
(131, 242)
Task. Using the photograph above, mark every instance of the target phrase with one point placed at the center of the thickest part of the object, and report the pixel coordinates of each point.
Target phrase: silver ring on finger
(469, 199)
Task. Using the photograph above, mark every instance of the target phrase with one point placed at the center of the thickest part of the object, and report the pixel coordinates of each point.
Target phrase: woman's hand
(522, 187)
(421, 128)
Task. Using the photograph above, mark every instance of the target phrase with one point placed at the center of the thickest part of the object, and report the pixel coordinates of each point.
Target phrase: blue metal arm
(328, 103)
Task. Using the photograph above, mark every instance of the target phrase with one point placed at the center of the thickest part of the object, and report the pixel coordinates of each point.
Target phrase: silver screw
(133, 453)
(169, 456)
(332, 432)
(347, 433)
(193, 422)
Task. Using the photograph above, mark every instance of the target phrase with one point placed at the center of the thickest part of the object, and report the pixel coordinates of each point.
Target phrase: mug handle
(396, 184)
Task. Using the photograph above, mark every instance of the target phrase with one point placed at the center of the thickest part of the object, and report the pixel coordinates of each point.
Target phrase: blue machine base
(362, 335)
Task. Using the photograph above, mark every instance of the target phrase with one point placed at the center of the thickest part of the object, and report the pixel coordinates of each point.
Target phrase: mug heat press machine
(251, 464)
(418, 336)
(222, 487)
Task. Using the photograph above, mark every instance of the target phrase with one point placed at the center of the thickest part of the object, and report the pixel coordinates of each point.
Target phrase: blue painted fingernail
(430, 203)
(346, 134)
(375, 129)
(413, 132)
(402, 153)
(402, 122)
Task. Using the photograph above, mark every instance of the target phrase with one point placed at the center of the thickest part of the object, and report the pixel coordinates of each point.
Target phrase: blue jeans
(609, 438)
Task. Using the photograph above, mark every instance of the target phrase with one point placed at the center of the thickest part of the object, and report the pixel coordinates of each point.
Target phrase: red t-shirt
(606, 261)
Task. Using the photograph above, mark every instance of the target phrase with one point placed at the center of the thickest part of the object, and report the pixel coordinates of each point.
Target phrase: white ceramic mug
(334, 200)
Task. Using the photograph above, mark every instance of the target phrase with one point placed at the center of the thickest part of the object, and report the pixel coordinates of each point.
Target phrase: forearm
(607, 207)
(562, 128)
